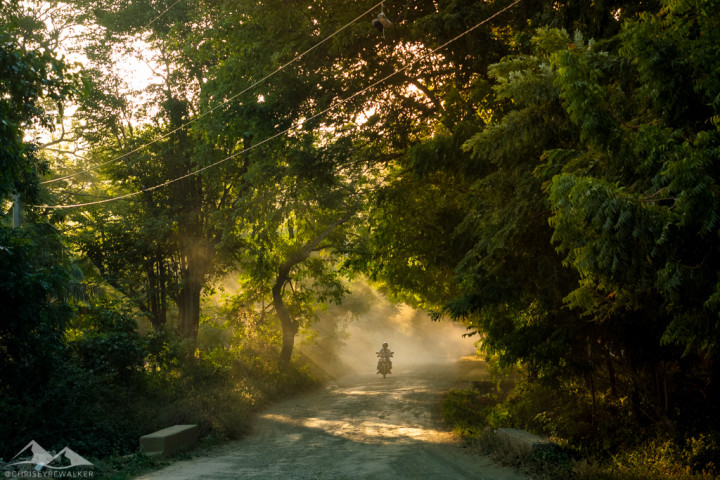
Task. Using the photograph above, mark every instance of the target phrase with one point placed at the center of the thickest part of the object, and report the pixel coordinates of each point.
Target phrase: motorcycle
(384, 364)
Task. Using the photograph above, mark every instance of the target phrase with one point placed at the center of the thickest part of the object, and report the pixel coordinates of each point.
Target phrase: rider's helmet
(385, 344)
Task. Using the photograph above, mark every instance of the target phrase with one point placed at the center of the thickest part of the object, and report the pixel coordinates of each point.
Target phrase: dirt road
(363, 426)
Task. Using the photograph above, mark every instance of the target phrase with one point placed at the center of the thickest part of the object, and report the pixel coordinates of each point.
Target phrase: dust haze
(345, 337)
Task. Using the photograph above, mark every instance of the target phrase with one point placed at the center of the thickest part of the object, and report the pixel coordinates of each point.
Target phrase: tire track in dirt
(363, 426)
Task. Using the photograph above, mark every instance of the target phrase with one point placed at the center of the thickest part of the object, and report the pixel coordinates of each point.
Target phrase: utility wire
(161, 14)
(287, 130)
(255, 84)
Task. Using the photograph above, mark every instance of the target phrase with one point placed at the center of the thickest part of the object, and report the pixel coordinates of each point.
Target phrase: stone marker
(169, 440)
(522, 441)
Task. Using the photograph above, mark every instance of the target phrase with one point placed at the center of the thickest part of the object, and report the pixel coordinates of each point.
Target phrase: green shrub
(599, 445)
(462, 410)
(114, 386)
(109, 344)
(702, 453)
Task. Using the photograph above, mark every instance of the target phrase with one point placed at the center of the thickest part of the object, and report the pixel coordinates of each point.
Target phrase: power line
(255, 84)
(287, 130)
(161, 14)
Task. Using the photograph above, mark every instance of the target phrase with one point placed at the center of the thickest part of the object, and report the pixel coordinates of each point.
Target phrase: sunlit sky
(135, 71)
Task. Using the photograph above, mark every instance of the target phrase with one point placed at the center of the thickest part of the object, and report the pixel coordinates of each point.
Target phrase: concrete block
(169, 440)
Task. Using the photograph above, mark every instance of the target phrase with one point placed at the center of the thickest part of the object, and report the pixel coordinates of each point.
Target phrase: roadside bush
(114, 385)
(565, 414)
(35, 287)
(593, 445)
(702, 453)
(108, 343)
(467, 411)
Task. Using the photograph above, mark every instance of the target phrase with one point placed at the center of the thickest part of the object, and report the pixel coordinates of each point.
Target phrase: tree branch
(430, 95)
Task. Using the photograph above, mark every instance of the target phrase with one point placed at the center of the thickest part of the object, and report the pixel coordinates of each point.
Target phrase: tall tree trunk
(289, 326)
(196, 251)
(188, 299)
(188, 303)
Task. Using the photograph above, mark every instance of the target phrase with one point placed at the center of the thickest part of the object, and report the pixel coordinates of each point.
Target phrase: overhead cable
(160, 14)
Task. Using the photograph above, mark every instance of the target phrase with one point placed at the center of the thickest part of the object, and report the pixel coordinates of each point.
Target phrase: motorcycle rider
(384, 352)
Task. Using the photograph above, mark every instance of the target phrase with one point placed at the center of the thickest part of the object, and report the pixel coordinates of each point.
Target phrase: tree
(174, 230)
(418, 123)
(291, 234)
(34, 290)
(433, 186)
(612, 147)
(38, 278)
(639, 223)
(291, 323)
(513, 281)
(28, 77)
(407, 131)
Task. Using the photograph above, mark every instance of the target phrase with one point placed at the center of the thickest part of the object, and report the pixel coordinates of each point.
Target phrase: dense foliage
(30, 77)
(548, 176)
(624, 174)
(610, 150)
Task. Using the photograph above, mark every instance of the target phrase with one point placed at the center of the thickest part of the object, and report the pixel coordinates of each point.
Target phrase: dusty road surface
(360, 427)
